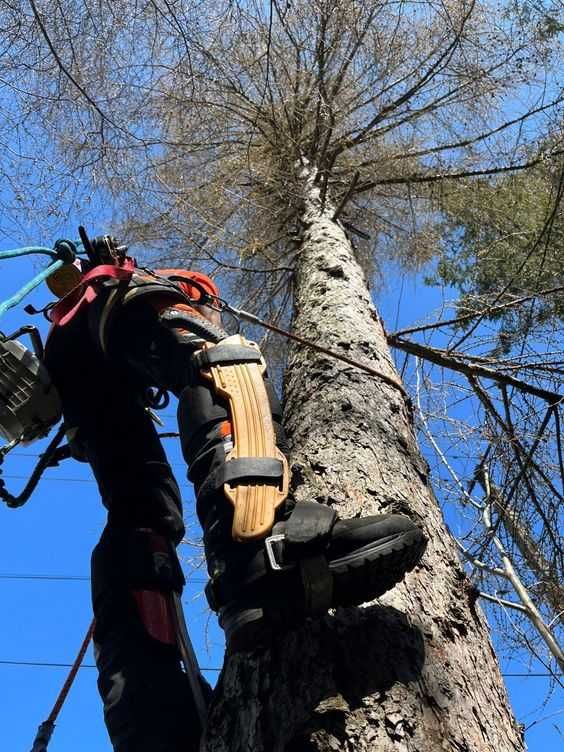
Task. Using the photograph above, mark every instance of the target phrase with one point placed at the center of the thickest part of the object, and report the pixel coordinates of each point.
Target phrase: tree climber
(120, 333)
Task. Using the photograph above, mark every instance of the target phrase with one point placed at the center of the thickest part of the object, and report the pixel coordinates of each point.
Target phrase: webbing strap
(84, 292)
(268, 470)
(306, 534)
(309, 524)
(226, 355)
(317, 582)
(250, 468)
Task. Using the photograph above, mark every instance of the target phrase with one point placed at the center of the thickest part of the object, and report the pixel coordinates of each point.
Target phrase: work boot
(311, 562)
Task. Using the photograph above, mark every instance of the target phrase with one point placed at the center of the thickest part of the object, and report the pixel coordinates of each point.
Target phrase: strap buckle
(270, 552)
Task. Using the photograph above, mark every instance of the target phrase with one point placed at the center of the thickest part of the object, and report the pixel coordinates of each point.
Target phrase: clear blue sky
(44, 620)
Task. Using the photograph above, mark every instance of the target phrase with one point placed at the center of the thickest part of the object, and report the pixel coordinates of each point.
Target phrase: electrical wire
(48, 664)
(67, 480)
(64, 577)
(9, 576)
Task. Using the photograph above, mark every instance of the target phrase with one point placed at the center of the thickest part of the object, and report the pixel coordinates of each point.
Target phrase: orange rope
(71, 676)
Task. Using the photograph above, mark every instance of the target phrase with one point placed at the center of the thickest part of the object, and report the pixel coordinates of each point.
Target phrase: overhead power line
(37, 455)
(70, 577)
(526, 676)
(49, 664)
(43, 577)
(69, 480)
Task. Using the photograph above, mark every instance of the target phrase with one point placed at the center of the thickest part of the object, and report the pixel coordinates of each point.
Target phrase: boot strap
(300, 543)
(309, 526)
(305, 538)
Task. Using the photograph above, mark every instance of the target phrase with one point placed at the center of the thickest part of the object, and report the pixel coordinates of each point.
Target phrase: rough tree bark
(415, 671)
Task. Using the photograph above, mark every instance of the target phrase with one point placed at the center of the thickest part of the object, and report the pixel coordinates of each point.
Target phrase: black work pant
(147, 701)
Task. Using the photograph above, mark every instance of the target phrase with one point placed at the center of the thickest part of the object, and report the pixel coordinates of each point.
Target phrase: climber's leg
(148, 704)
(304, 560)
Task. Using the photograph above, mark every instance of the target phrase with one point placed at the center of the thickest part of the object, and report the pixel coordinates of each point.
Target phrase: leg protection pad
(255, 474)
(154, 571)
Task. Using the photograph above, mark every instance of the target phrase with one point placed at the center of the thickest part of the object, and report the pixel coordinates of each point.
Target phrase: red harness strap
(86, 292)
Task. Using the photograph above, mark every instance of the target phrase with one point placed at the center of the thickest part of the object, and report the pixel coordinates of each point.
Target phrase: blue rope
(28, 251)
(31, 285)
(63, 252)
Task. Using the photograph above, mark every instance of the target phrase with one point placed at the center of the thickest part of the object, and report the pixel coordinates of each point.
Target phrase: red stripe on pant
(155, 612)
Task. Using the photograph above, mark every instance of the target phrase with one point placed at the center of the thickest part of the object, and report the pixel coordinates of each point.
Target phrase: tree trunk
(414, 671)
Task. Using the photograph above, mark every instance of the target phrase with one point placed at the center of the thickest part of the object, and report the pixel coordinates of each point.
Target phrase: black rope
(44, 462)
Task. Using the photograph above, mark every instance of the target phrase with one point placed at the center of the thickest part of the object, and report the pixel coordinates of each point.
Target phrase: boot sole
(358, 578)
(376, 568)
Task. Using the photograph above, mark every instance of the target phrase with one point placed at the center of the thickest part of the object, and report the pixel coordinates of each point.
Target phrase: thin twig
(503, 602)
(559, 443)
(521, 591)
(470, 316)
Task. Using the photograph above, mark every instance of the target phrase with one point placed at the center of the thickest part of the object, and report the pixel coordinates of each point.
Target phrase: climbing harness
(29, 403)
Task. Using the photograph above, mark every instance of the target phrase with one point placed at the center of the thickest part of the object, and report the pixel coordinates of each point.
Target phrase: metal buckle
(268, 544)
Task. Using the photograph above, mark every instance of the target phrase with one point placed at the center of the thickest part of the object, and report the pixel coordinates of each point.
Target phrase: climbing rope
(218, 304)
(45, 730)
(64, 252)
(251, 318)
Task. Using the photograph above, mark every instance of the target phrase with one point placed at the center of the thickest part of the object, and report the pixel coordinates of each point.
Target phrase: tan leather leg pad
(243, 387)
